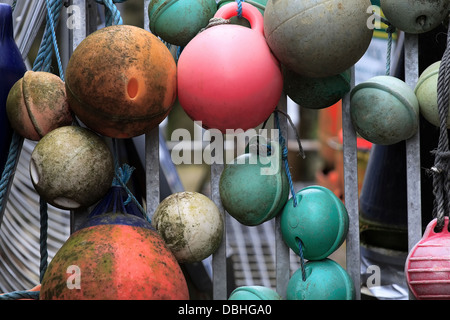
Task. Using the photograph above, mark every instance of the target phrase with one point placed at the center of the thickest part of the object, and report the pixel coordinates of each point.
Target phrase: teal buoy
(319, 221)
(254, 293)
(316, 93)
(177, 22)
(254, 188)
(325, 280)
(384, 110)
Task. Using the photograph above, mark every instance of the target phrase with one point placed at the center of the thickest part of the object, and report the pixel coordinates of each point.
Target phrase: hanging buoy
(190, 224)
(177, 22)
(12, 68)
(426, 92)
(247, 193)
(117, 89)
(71, 167)
(412, 16)
(384, 110)
(427, 268)
(325, 280)
(37, 104)
(116, 256)
(318, 38)
(254, 293)
(319, 221)
(227, 76)
(316, 93)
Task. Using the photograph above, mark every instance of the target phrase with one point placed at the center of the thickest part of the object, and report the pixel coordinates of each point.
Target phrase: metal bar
(219, 258)
(151, 154)
(282, 258)
(413, 174)
(353, 254)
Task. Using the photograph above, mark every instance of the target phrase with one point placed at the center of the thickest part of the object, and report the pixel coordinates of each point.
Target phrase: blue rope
(112, 14)
(239, 10)
(284, 157)
(302, 259)
(41, 63)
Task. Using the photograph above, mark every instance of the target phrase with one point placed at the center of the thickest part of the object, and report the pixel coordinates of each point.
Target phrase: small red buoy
(227, 75)
(427, 267)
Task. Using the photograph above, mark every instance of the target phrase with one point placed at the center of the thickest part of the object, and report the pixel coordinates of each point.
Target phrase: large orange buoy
(114, 262)
(115, 254)
(121, 81)
(227, 75)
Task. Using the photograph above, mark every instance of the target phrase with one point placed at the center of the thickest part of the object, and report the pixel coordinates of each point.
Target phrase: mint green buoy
(384, 110)
(324, 280)
(254, 293)
(413, 16)
(254, 187)
(426, 92)
(316, 93)
(178, 21)
(319, 221)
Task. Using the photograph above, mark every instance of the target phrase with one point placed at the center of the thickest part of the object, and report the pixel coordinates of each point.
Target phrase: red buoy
(427, 267)
(227, 75)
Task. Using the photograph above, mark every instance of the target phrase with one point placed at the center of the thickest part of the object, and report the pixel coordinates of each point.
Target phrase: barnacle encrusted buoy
(121, 81)
(71, 167)
(190, 224)
(37, 104)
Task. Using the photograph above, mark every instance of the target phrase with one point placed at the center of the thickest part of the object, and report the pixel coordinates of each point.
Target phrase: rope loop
(112, 14)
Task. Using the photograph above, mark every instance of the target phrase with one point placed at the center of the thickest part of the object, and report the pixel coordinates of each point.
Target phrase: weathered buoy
(254, 293)
(12, 68)
(412, 16)
(125, 260)
(319, 221)
(384, 110)
(117, 89)
(177, 22)
(250, 195)
(316, 93)
(318, 38)
(324, 280)
(37, 104)
(426, 268)
(190, 224)
(426, 91)
(227, 75)
(71, 167)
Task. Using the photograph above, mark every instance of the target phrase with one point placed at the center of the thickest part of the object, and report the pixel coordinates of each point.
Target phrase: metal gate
(273, 259)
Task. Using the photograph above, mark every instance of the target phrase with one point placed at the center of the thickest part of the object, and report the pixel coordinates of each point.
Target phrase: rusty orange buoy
(121, 81)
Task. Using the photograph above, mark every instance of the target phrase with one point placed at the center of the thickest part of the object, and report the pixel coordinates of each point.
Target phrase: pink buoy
(427, 267)
(227, 75)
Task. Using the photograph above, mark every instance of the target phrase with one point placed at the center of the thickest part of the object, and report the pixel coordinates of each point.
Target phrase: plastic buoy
(227, 75)
(427, 265)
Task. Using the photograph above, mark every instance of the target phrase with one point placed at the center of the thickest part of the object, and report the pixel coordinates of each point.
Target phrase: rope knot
(215, 22)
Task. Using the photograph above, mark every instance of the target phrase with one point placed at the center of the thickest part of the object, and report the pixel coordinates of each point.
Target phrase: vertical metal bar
(219, 258)
(413, 175)
(151, 154)
(353, 255)
(282, 258)
(77, 34)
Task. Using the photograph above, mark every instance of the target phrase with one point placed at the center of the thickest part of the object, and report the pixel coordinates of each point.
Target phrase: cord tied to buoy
(441, 169)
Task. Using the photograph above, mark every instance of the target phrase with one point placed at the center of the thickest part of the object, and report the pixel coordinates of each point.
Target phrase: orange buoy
(121, 81)
(114, 262)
